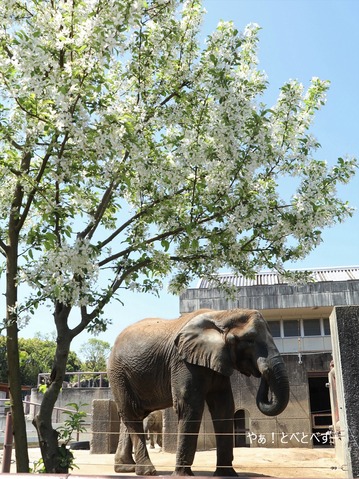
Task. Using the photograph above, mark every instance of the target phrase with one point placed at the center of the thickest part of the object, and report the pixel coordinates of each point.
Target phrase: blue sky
(300, 39)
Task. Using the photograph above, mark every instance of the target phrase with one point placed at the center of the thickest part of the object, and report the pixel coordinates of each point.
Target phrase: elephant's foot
(183, 471)
(225, 472)
(124, 467)
(145, 470)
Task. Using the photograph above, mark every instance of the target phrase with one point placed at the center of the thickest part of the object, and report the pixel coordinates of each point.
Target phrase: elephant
(152, 426)
(187, 362)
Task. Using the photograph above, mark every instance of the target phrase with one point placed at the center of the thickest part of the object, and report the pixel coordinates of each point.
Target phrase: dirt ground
(249, 462)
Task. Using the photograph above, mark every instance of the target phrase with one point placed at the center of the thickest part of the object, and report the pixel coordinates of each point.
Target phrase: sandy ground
(248, 462)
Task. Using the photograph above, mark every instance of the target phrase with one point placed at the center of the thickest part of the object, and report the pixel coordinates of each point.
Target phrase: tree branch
(85, 321)
(92, 226)
(86, 317)
(160, 237)
(145, 210)
(38, 178)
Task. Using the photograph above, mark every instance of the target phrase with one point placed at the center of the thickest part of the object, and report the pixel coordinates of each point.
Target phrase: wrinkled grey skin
(152, 426)
(187, 362)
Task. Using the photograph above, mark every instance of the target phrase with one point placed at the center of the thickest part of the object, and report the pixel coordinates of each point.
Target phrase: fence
(31, 408)
(79, 379)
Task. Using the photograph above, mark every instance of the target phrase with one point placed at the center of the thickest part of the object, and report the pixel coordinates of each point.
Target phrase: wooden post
(8, 437)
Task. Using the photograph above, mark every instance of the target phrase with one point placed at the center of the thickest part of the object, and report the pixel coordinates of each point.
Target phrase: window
(274, 327)
(311, 327)
(294, 328)
(326, 326)
(291, 327)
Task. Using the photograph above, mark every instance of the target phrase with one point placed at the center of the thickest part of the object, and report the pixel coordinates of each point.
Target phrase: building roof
(268, 278)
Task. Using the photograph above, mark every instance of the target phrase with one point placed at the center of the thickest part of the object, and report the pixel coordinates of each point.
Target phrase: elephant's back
(147, 331)
(142, 347)
(150, 333)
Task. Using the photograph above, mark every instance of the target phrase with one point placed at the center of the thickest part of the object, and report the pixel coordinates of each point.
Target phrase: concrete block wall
(105, 427)
(344, 326)
(169, 438)
(80, 396)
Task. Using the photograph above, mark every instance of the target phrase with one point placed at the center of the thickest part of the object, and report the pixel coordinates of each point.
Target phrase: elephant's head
(237, 339)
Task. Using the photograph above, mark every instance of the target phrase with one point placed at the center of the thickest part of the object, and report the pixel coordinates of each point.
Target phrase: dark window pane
(291, 327)
(274, 327)
(326, 326)
(311, 327)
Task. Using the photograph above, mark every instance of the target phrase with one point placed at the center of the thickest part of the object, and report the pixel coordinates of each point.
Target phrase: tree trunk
(56, 458)
(12, 344)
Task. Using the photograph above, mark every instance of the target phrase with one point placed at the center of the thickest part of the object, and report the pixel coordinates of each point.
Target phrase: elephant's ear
(202, 342)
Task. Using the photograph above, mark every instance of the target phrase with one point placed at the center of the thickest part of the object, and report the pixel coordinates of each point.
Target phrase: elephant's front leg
(190, 416)
(221, 406)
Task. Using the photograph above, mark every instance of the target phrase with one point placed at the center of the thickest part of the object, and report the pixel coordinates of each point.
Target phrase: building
(298, 316)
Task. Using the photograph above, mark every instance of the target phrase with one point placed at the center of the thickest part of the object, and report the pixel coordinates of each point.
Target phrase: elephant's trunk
(275, 379)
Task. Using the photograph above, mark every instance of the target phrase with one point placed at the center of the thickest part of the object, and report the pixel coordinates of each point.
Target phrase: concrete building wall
(274, 297)
(80, 396)
(292, 428)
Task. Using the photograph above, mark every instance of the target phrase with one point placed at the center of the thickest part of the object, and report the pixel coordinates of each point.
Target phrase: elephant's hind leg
(144, 466)
(123, 458)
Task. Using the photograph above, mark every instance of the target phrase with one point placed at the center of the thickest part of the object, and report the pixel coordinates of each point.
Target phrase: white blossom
(141, 140)
(67, 273)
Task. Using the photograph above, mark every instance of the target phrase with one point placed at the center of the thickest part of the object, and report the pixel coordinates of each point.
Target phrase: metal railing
(7, 432)
(79, 379)
(36, 406)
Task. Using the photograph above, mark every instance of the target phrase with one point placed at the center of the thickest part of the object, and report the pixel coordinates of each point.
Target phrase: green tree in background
(36, 356)
(94, 354)
(129, 154)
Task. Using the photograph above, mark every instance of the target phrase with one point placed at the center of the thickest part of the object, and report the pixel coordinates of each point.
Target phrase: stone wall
(344, 325)
(105, 427)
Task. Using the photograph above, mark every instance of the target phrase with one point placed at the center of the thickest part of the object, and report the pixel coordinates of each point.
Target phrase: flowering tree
(129, 154)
